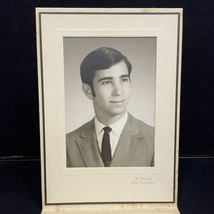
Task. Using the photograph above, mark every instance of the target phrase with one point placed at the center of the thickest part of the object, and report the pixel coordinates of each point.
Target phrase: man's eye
(125, 79)
(106, 82)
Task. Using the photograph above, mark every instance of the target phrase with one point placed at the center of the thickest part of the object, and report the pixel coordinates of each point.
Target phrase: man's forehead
(117, 70)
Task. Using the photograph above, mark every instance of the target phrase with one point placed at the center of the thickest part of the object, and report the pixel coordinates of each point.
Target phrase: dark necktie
(106, 147)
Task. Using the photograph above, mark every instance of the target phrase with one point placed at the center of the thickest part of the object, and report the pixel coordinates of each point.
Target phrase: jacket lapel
(89, 147)
(128, 143)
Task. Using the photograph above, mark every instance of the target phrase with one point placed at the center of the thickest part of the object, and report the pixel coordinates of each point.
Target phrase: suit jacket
(135, 147)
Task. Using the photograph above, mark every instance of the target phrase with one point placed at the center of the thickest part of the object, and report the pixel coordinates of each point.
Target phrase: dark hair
(101, 58)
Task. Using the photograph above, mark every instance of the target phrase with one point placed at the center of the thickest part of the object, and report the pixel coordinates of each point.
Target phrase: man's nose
(117, 89)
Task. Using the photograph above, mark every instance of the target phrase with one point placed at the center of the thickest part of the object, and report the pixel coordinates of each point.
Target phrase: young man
(114, 137)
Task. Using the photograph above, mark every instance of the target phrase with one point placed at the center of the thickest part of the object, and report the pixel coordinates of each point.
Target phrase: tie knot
(106, 129)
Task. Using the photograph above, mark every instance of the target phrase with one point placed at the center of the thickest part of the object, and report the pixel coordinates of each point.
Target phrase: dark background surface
(19, 116)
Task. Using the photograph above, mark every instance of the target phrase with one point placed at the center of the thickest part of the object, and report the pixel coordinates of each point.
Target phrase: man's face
(112, 89)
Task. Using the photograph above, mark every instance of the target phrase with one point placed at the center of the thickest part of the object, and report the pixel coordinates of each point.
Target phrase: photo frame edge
(156, 207)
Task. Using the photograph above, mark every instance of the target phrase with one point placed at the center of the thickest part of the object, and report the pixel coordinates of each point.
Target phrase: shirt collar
(116, 127)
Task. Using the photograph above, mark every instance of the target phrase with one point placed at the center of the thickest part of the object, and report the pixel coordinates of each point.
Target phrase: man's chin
(118, 113)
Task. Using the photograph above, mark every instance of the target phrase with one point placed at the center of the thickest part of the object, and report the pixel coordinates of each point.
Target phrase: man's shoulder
(140, 125)
(77, 132)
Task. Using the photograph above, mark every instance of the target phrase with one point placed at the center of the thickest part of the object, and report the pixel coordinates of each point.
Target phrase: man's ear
(87, 91)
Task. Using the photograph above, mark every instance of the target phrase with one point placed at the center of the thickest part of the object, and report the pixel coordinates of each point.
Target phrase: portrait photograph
(109, 96)
(124, 102)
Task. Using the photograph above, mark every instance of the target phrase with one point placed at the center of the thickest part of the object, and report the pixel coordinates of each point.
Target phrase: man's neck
(110, 120)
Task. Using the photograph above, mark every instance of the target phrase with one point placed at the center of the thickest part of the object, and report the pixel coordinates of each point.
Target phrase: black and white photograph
(111, 91)
(109, 108)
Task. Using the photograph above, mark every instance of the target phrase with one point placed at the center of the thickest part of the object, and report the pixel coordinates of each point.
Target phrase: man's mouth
(117, 101)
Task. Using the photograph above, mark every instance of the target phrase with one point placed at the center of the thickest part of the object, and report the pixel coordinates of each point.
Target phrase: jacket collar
(89, 146)
(129, 140)
(128, 143)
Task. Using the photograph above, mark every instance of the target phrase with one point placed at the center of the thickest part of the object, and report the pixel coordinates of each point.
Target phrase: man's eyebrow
(105, 78)
(111, 78)
(125, 75)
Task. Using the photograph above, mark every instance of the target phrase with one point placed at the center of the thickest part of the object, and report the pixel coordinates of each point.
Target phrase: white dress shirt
(115, 133)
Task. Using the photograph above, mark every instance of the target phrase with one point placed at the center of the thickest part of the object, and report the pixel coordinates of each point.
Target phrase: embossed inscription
(142, 180)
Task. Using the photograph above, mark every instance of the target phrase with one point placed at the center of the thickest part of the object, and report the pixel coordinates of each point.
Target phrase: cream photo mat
(63, 186)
